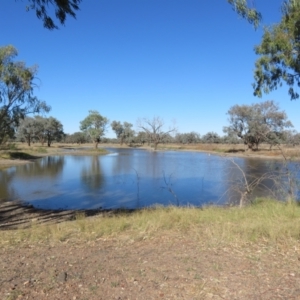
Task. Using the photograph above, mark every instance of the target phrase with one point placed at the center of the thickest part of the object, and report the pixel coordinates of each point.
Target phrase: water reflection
(50, 166)
(133, 178)
(6, 189)
(91, 174)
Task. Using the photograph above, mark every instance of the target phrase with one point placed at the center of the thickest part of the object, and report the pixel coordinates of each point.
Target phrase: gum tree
(61, 8)
(26, 130)
(94, 126)
(257, 123)
(16, 92)
(64, 8)
(279, 52)
(124, 132)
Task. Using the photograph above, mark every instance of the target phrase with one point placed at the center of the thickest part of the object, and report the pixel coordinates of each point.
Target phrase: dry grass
(269, 220)
(239, 149)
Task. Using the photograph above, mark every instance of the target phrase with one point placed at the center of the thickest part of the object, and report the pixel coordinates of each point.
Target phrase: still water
(131, 178)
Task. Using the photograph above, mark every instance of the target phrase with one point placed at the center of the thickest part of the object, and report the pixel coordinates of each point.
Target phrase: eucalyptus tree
(16, 92)
(39, 127)
(211, 138)
(77, 137)
(53, 130)
(154, 128)
(279, 52)
(26, 130)
(64, 8)
(187, 138)
(94, 126)
(256, 123)
(142, 137)
(124, 132)
(61, 9)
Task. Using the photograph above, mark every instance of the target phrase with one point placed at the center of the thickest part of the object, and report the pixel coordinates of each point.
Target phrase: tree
(16, 92)
(62, 9)
(26, 130)
(249, 13)
(211, 138)
(187, 138)
(279, 51)
(94, 125)
(257, 123)
(43, 129)
(154, 130)
(77, 137)
(123, 131)
(53, 130)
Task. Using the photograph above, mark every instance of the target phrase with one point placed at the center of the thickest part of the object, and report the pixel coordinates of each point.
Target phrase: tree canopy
(256, 123)
(16, 92)
(94, 125)
(41, 129)
(279, 51)
(62, 9)
(124, 132)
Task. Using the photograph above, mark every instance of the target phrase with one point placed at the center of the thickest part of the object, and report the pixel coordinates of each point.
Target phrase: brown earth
(172, 265)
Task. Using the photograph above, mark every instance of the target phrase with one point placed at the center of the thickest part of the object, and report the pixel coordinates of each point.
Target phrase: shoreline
(87, 149)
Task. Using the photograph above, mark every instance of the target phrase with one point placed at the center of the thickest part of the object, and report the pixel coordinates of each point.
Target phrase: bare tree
(155, 129)
(245, 183)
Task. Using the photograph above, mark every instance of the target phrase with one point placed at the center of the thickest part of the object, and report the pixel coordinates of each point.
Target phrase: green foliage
(40, 128)
(62, 9)
(280, 53)
(65, 8)
(94, 125)
(77, 137)
(211, 137)
(16, 92)
(123, 131)
(187, 138)
(256, 123)
(243, 9)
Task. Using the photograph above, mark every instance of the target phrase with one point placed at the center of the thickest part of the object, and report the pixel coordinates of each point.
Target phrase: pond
(134, 178)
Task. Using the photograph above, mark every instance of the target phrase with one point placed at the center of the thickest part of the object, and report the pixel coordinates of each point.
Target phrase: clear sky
(183, 60)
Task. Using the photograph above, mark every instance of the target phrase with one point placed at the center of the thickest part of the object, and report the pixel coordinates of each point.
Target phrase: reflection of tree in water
(45, 167)
(6, 191)
(92, 175)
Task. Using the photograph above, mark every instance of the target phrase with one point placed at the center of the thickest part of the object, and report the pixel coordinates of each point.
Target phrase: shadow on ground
(15, 215)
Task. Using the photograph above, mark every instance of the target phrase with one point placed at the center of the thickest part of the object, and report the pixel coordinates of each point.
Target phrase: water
(133, 178)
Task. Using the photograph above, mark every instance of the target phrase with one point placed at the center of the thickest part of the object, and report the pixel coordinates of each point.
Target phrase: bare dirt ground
(174, 265)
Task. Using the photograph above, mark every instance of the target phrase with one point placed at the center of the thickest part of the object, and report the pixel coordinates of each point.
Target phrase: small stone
(62, 277)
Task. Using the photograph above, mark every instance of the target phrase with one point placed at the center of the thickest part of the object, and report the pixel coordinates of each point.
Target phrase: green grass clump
(41, 150)
(266, 220)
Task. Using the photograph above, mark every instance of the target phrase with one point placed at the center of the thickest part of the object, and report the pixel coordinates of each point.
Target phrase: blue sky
(187, 61)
